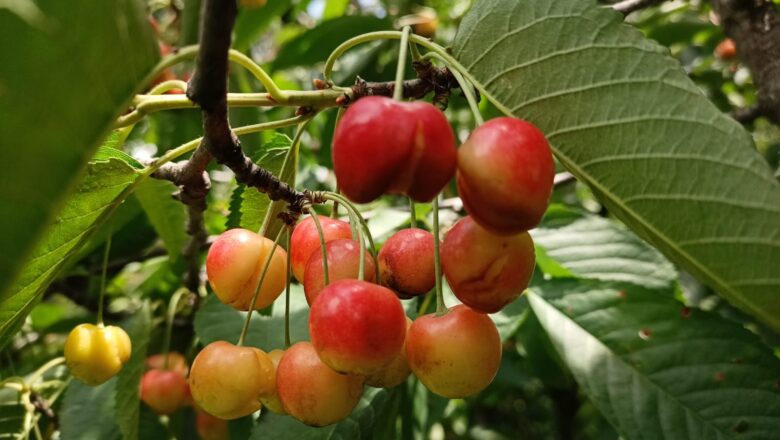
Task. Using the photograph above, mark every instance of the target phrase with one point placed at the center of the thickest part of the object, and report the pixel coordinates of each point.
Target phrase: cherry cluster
(360, 334)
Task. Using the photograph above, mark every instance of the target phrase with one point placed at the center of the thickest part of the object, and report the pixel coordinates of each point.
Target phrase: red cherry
(343, 263)
(164, 390)
(406, 262)
(385, 146)
(726, 50)
(455, 355)
(305, 240)
(505, 175)
(357, 327)
(486, 271)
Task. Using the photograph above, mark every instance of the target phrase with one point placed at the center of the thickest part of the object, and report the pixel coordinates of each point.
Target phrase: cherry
(227, 380)
(406, 263)
(311, 391)
(385, 146)
(726, 50)
(234, 264)
(305, 240)
(357, 327)
(505, 175)
(454, 355)
(164, 390)
(395, 373)
(176, 362)
(95, 354)
(271, 400)
(486, 271)
(210, 427)
(343, 263)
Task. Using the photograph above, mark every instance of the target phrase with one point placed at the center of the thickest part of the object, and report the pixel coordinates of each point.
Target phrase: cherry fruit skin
(385, 146)
(406, 263)
(357, 327)
(343, 263)
(305, 241)
(505, 175)
(164, 391)
(235, 263)
(454, 355)
(176, 362)
(486, 271)
(395, 373)
(210, 427)
(271, 400)
(96, 353)
(311, 391)
(228, 381)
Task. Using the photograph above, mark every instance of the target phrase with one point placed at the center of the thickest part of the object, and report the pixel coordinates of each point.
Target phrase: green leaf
(252, 204)
(86, 413)
(63, 81)
(14, 419)
(109, 150)
(167, 215)
(359, 425)
(334, 9)
(215, 321)
(314, 45)
(129, 379)
(594, 247)
(657, 369)
(251, 23)
(105, 185)
(624, 118)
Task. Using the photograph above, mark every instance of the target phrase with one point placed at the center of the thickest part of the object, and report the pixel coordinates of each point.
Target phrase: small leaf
(167, 215)
(105, 185)
(656, 369)
(129, 379)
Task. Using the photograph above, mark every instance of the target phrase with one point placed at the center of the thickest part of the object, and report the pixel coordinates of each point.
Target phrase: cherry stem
(413, 209)
(441, 308)
(355, 215)
(245, 329)
(465, 87)
(103, 280)
(287, 295)
(316, 219)
(41, 371)
(398, 92)
(172, 305)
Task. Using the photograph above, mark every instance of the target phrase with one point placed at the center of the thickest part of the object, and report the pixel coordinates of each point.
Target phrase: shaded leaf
(167, 215)
(251, 23)
(129, 379)
(624, 118)
(656, 369)
(86, 414)
(57, 111)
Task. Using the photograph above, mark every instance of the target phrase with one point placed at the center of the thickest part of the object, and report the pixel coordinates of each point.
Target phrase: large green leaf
(87, 414)
(314, 45)
(623, 117)
(359, 425)
(167, 215)
(594, 247)
(105, 185)
(656, 369)
(68, 70)
(127, 401)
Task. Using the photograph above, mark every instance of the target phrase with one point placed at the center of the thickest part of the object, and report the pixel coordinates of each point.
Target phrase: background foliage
(654, 309)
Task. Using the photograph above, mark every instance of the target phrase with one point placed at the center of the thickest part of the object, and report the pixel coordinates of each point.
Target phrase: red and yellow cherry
(486, 271)
(357, 327)
(454, 355)
(210, 427)
(343, 263)
(271, 400)
(505, 175)
(176, 362)
(305, 240)
(311, 391)
(227, 380)
(395, 373)
(96, 353)
(164, 391)
(406, 262)
(234, 264)
(385, 146)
